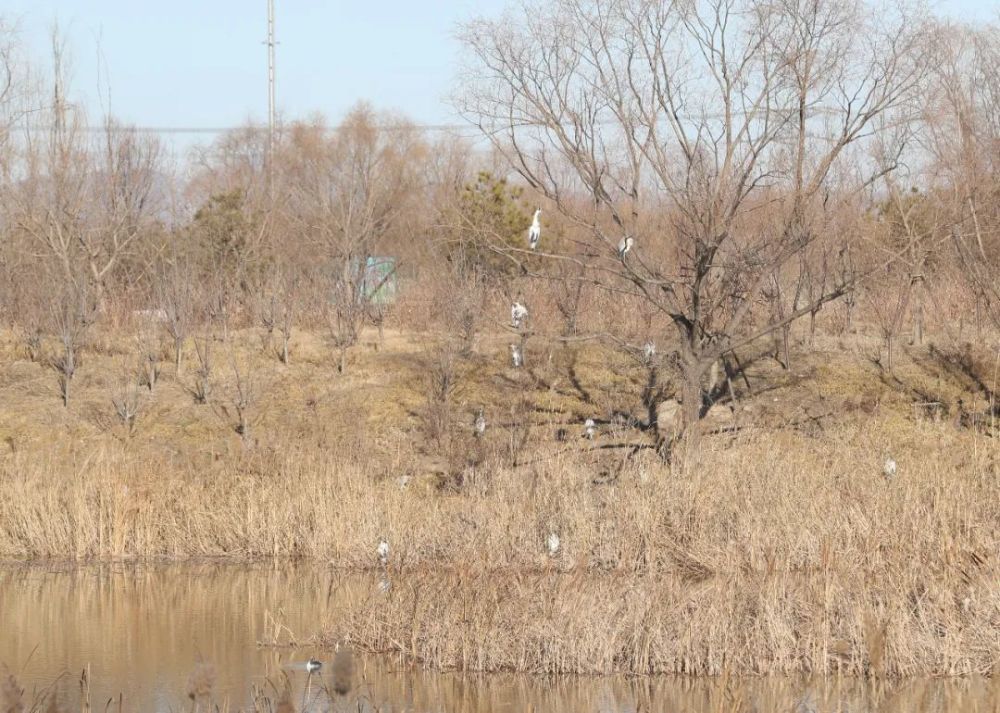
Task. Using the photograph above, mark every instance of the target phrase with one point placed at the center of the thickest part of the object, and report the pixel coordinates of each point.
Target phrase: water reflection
(141, 630)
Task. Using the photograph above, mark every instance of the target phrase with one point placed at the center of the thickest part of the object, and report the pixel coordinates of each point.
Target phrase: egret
(312, 665)
(535, 231)
(553, 544)
(648, 351)
(516, 357)
(589, 429)
(383, 552)
(518, 313)
(624, 246)
(889, 468)
(480, 424)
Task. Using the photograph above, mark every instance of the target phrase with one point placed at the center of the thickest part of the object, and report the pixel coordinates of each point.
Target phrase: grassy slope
(779, 547)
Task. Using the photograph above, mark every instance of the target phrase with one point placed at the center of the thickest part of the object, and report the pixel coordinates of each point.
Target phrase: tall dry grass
(776, 553)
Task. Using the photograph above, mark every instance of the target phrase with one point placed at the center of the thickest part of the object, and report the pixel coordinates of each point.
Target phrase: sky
(202, 63)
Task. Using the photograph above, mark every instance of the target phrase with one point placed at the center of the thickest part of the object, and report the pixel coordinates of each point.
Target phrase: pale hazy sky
(202, 62)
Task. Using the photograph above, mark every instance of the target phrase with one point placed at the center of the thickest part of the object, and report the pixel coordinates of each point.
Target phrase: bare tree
(175, 295)
(73, 312)
(125, 397)
(202, 386)
(242, 396)
(701, 135)
(347, 191)
(84, 205)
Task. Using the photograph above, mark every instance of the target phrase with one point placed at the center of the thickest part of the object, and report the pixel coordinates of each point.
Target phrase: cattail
(11, 694)
(201, 681)
(343, 670)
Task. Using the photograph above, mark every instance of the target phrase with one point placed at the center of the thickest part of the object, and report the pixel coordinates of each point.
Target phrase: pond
(140, 631)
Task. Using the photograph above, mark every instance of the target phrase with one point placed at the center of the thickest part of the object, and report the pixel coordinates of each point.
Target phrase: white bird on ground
(648, 351)
(312, 665)
(480, 424)
(589, 429)
(552, 541)
(535, 231)
(624, 246)
(518, 313)
(516, 357)
(383, 552)
(889, 468)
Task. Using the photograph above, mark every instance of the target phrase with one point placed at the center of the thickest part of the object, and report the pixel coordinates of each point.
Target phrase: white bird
(518, 313)
(589, 428)
(383, 552)
(480, 424)
(516, 357)
(889, 468)
(648, 351)
(535, 231)
(312, 665)
(553, 544)
(624, 246)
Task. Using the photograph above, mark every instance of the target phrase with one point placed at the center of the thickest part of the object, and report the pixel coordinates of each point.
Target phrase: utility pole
(270, 93)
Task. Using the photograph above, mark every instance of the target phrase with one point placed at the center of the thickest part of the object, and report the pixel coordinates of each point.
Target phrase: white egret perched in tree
(480, 423)
(516, 357)
(518, 313)
(552, 542)
(383, 552)
(535, 231)
(589, 429)
(889, 468)
(624, 246)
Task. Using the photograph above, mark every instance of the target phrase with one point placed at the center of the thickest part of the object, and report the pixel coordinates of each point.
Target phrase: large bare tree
(714, 134)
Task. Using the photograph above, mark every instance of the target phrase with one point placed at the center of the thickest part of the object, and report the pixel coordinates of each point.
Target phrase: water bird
(889, 468)
(516, 356)
(648, 351)
(589, 429)
(624, 246)
(383, 552)
(480, 423)
(518, 313)
(552, 541)
(312, 665)
(535, 231)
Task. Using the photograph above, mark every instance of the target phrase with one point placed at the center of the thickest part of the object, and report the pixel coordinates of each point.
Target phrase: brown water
(140, 631)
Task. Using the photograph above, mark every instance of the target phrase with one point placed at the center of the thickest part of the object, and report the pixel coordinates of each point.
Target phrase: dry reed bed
(776, 553)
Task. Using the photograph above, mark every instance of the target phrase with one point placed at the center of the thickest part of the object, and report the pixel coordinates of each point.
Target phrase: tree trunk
(692, 371)
(918, 310)
(178, 347)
